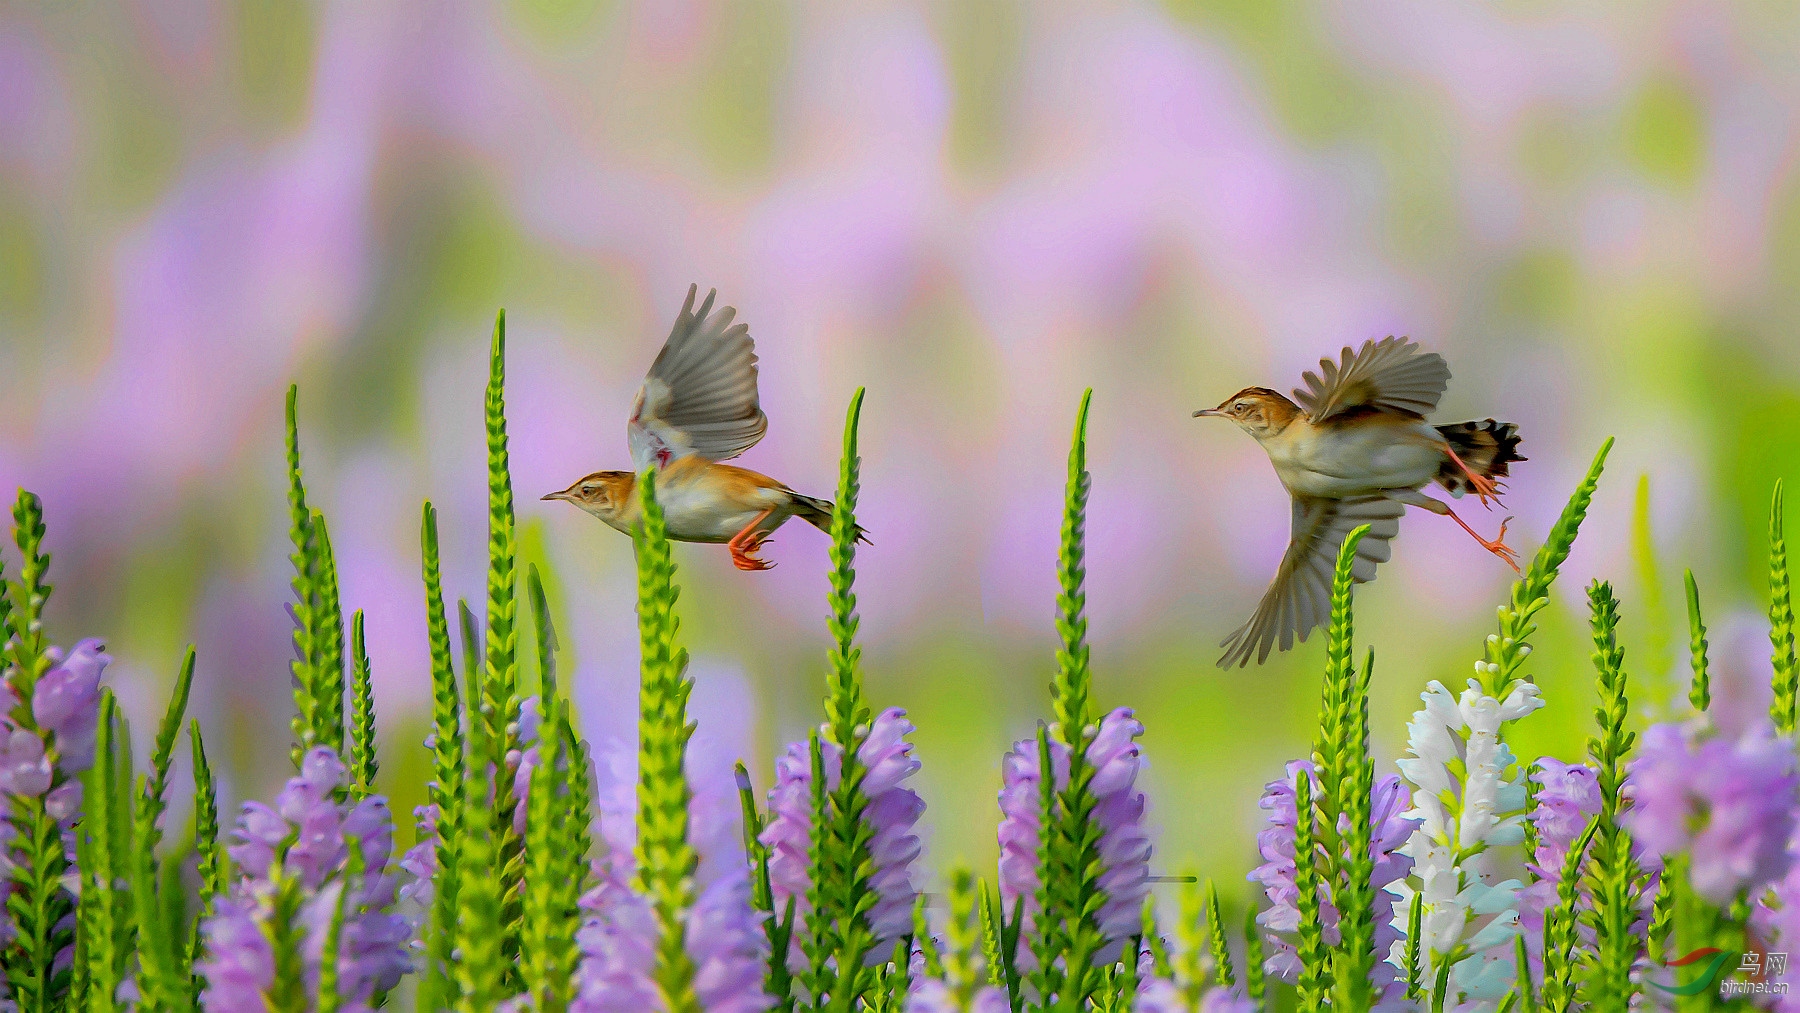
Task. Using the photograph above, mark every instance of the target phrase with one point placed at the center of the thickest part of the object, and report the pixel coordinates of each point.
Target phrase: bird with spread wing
(697, 408)
(1356, 450)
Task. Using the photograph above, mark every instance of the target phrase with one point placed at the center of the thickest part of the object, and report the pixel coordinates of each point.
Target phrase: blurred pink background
(975, 210)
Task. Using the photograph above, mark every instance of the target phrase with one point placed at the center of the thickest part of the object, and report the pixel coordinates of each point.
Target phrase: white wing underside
(700, 396)
(1388, 375)
(1299, 601)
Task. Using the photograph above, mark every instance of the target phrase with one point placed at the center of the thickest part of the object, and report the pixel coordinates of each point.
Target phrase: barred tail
(1487, 447)
(817, 512)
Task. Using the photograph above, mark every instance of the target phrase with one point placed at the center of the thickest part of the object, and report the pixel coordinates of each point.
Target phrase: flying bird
(698, 407)
(1356, 450)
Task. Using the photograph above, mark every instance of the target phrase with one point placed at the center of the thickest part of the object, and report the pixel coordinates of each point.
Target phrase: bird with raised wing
(697, 408)
(1353, 448)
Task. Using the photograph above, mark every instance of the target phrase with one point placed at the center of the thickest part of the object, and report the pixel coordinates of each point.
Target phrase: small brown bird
(1357, 450)
(698, 406)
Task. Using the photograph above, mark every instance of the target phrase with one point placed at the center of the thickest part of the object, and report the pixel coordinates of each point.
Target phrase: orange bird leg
(1498, 546)
(744, 544)
(1485, 488)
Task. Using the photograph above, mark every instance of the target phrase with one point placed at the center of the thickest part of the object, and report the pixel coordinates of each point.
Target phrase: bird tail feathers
(1487, 447)
(817, 512)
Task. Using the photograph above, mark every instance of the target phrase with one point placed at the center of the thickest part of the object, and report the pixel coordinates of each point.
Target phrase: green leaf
(162, 756)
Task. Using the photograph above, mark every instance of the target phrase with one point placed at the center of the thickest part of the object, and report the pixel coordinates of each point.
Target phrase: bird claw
(1499, 547)
(743, 556)
(1486, 489)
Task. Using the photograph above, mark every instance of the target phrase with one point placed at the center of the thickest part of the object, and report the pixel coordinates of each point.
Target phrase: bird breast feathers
(1339, 461)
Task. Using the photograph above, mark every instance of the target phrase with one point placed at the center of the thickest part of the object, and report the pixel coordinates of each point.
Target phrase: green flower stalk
(1700, 689)
(41, 775)
(213, 865)
(103, 848)
(481, 968)
(494, 720)
(1560, 936)
(1077, 926)
(778, 927)
(1073, 686)
(1220, 944)
(1785, 709)
(1616, 881)
(556, 868)
(1255, 977)
(1469, 793)
(445, 811)
(362, 714)
(666, 860)
(840, 890)
(1506, 651)
(26, 649)
(1315, 956)
(1347, 776)
(318, 683)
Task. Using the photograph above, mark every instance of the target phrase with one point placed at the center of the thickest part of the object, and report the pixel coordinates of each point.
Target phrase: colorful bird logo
(1711, 973)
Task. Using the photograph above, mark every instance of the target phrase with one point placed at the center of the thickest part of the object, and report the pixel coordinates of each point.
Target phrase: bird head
(1258, 411)
(605, 494)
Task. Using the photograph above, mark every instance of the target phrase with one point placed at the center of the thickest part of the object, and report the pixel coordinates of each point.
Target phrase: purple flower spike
(66, 702)
(726, 940)
(24, 769)
(1124, 842)
(1728, 803)
(1390, 828)
(316, 831)
(929, 995)
(893, 811)
(618, 947)
(1568, 796)
(1119, 811)
(1021, 784)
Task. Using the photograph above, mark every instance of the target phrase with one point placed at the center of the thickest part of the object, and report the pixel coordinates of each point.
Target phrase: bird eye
(589, 489)
(1241, 406)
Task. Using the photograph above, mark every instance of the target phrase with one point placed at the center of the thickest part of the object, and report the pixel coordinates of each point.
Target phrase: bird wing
(1389, 375)
(700, 395)
(1299, 601)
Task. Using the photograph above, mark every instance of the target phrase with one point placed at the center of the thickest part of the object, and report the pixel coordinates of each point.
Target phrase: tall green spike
(1785, 708)
(1700, 689)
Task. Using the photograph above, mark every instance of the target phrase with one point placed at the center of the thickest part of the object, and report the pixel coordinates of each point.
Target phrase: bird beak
(1209, 413)
(557, 495)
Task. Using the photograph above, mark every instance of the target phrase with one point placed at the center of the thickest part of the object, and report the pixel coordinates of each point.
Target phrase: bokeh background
(976, 210)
